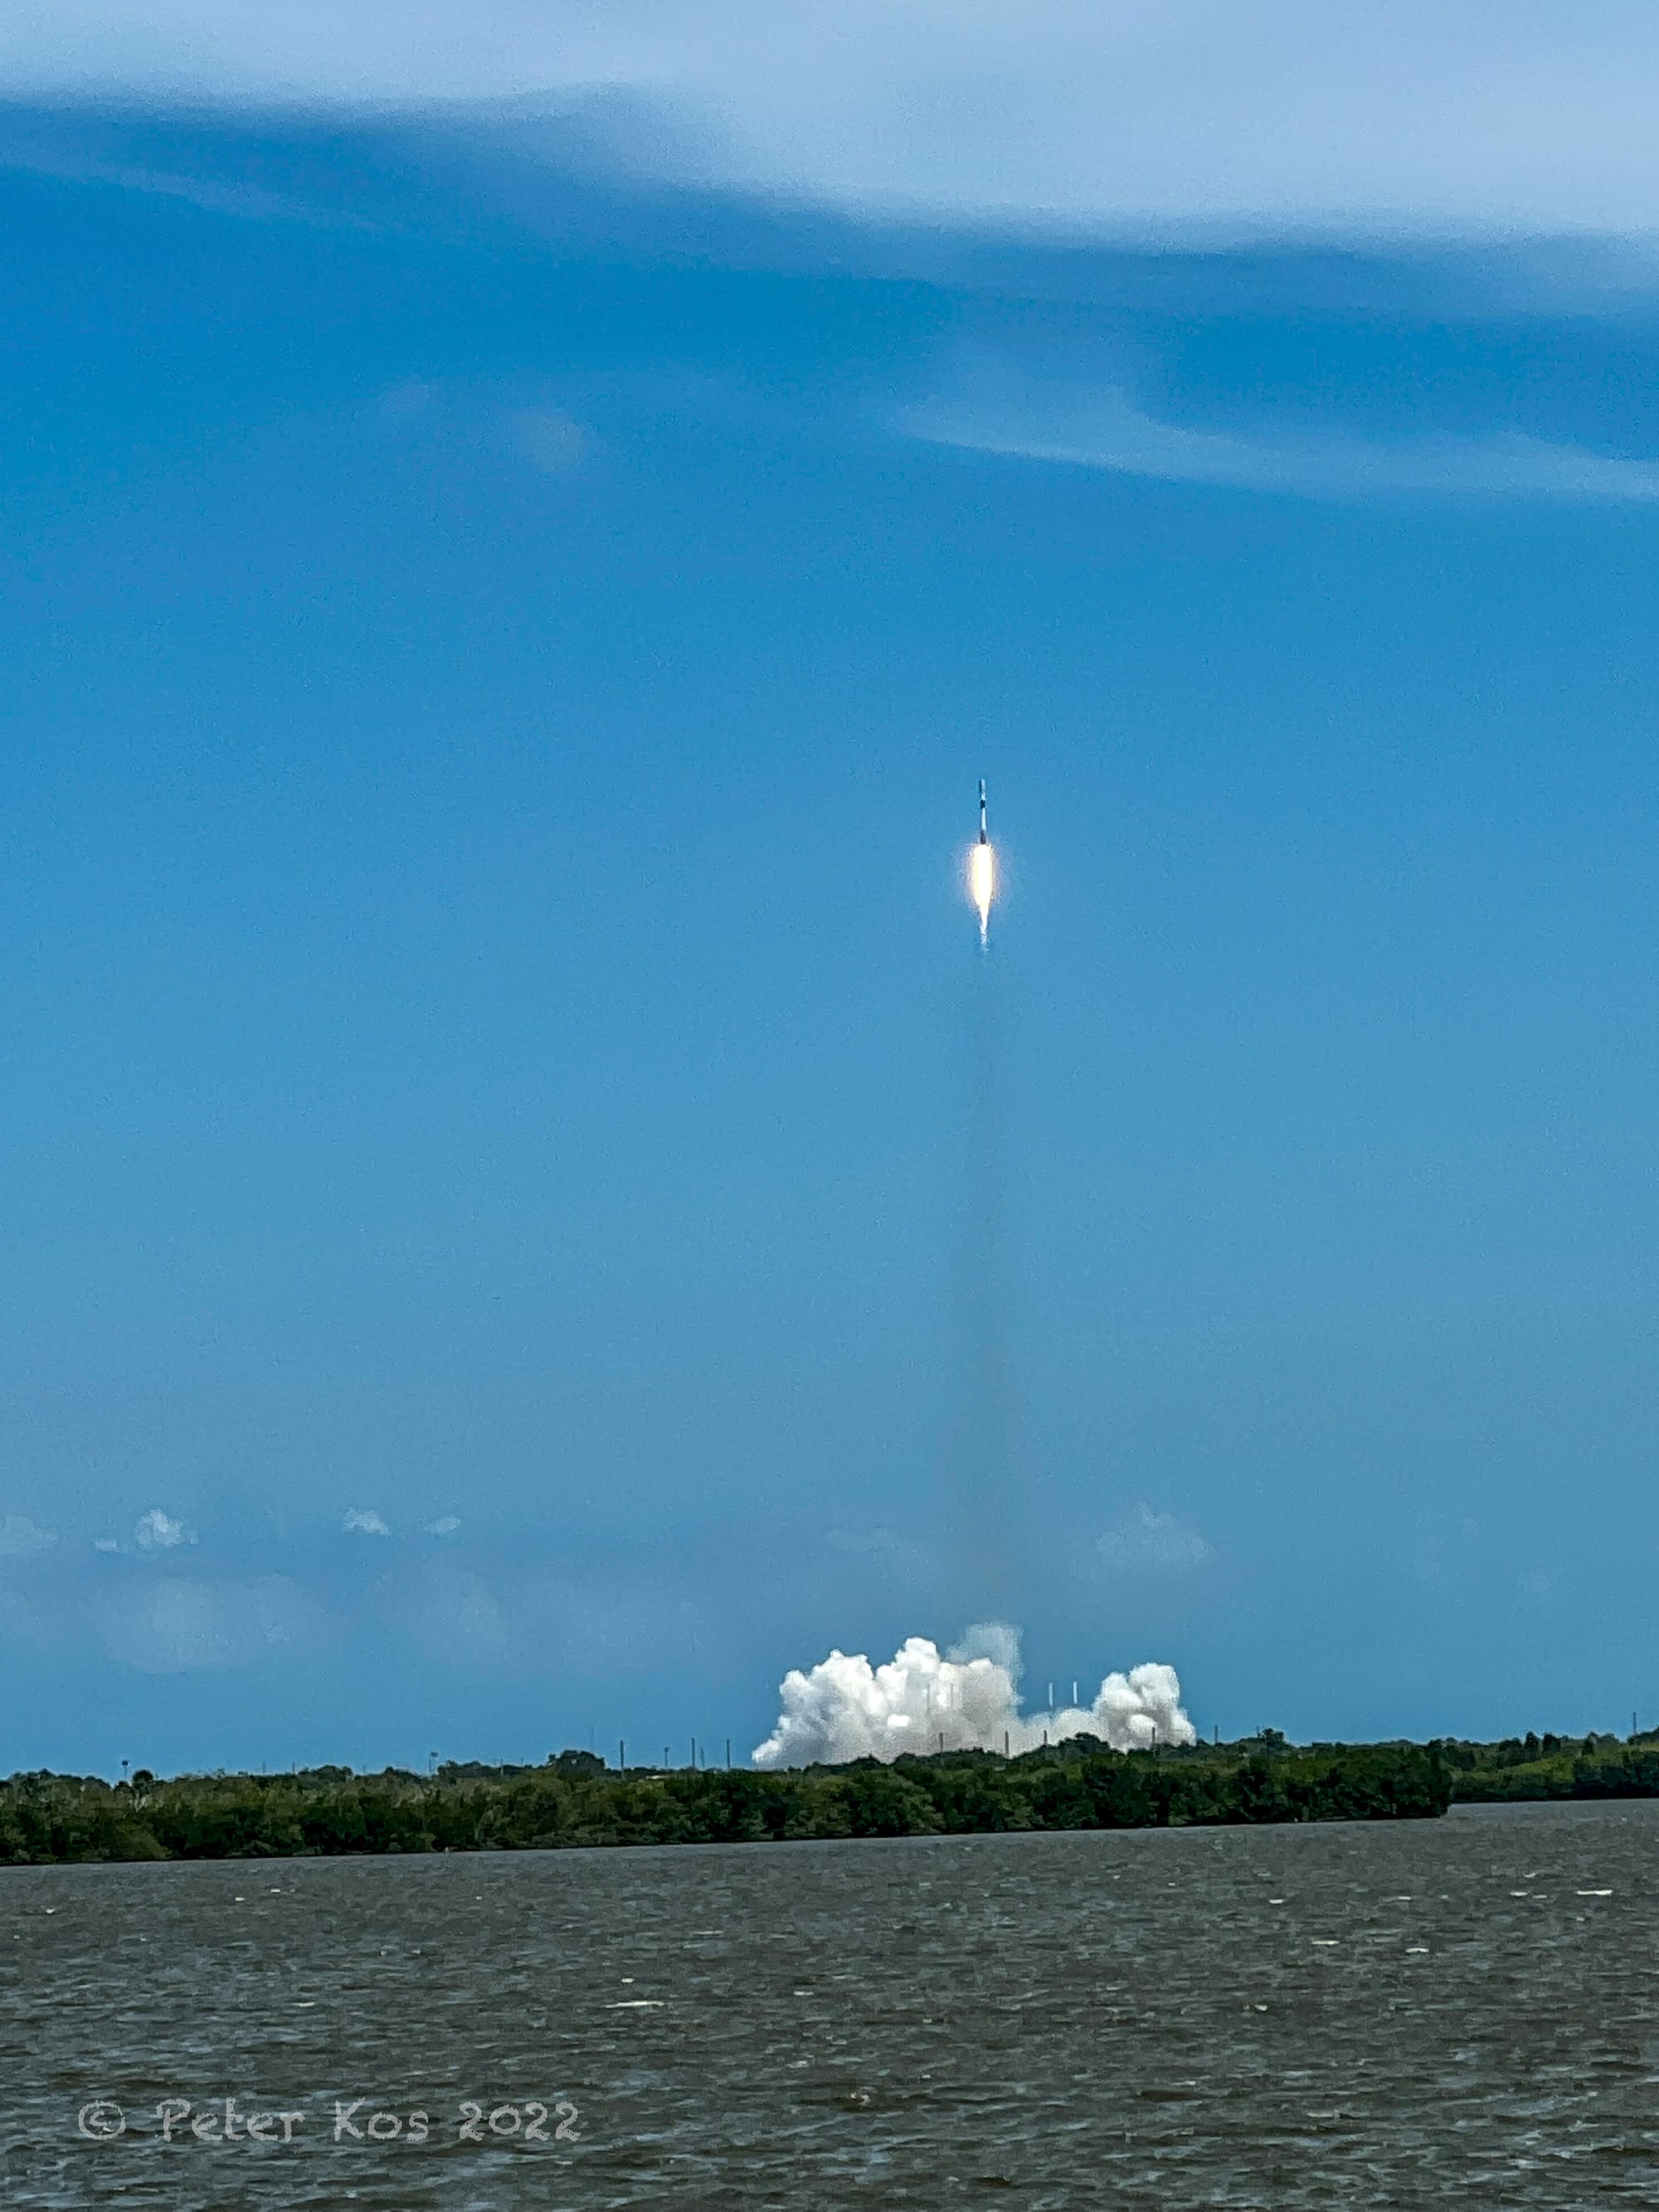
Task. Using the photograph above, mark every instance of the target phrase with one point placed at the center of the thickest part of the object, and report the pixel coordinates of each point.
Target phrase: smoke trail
(844, 1708)
(984, 1548)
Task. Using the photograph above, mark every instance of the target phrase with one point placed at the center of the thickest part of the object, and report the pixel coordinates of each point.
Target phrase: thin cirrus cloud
(1101, 428)
(177, 1626)
(363, 1520)
(479, 413)
(1147, 1542)
(455, 1615)
(22, 1538)
(547, 438)
(1460, 116)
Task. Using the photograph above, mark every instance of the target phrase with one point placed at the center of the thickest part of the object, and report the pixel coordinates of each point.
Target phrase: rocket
(983, 874)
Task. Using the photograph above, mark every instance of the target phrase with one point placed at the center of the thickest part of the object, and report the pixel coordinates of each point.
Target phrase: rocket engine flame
(982, 885)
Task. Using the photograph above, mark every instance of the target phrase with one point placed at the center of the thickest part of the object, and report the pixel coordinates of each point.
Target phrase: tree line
(1532, 1767)
(574, 1800)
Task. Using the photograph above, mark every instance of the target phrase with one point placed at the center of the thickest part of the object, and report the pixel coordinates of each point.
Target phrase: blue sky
(519, 543)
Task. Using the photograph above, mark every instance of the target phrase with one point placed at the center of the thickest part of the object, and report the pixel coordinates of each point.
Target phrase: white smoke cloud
(360, 1522)
(844, 1708)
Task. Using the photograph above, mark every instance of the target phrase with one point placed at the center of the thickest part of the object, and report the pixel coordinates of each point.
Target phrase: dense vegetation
(1533, 1766)
(575, 1800)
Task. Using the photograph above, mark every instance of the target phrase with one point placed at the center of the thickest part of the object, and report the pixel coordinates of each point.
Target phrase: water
(1410, 2014)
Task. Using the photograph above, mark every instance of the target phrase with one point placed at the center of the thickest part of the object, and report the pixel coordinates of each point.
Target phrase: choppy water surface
(1465, 2009)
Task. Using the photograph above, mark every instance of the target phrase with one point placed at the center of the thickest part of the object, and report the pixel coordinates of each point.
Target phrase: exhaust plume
(844, 1708)
(982, 886)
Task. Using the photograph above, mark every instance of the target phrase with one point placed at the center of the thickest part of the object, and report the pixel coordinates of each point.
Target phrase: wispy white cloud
(22, 1538)
(512, 415)
(54, 147)
(882, 1548)
(1468, 115)
(455, 1616)
(1145, 1543)
(547, 438)
(160, 1532)
(177, 1625)
(1100, 427)
(364, 1521)
(445, 1525)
